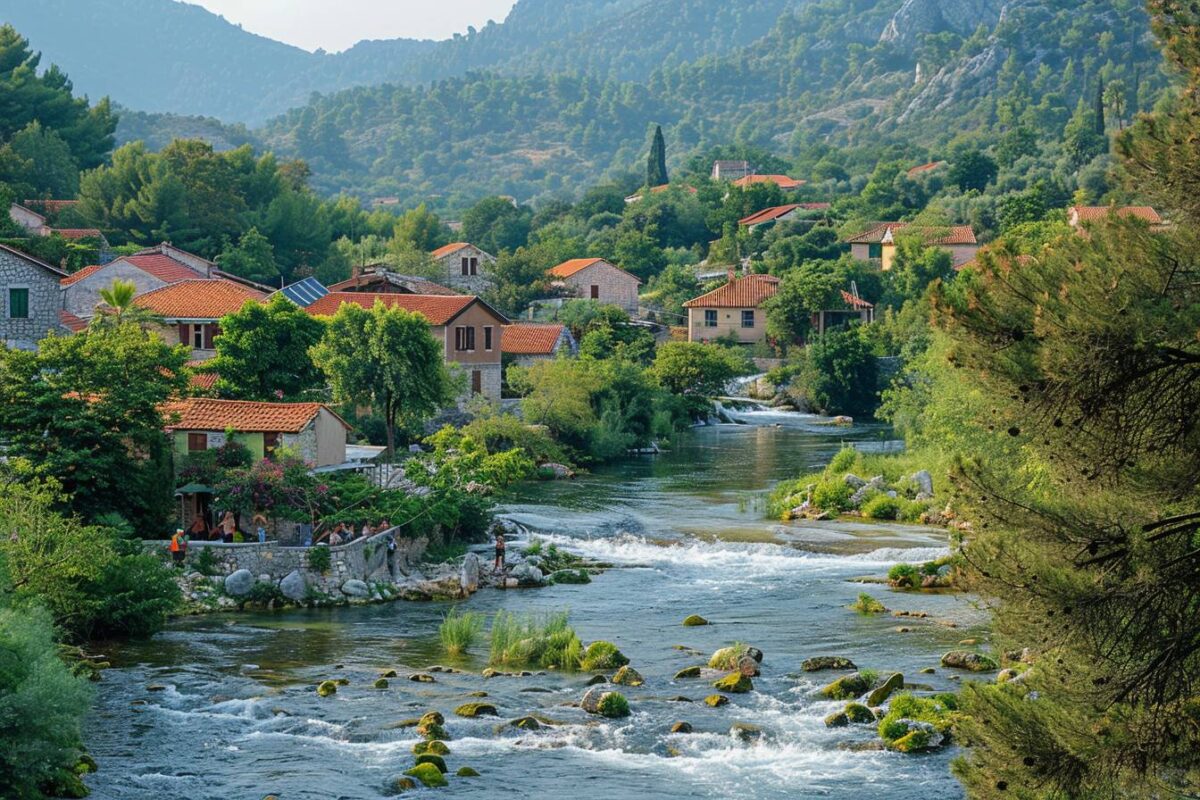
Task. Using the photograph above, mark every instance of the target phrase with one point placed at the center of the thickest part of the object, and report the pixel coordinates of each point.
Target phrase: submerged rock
(596, 680)
(965, 659)
(381, 683)
(687, 672)
(628, 676)
(326, 688)
(715, 700)
(694, 620)
(467, 772)
(879, 694)
(421, 677)
(681, 727)
(400, 785)
(431, 758)
(858, 713)
(472, 710)
(838, 719)
(820, 663)
(525, 724)
(428, 774)
(745, 732)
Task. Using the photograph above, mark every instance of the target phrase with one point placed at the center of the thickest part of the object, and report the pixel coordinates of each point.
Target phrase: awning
(194, 488)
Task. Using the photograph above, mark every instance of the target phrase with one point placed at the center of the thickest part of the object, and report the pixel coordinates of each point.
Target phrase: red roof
(198, 299)
(932, 165)
(165, 268)
(77, 233)
(50, 206)
(782, 181)
(954, 234)
(768, 214)
(80, 274)
(529, 340)
(1093, 213)
(854, 302)
(438, 309)
(449, 249)
(71, 322)
(576, 265)
(207, 414)
(747, 292)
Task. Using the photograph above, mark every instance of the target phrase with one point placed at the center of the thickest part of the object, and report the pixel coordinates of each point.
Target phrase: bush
(42, 705)
(263, 592)
(832, 494)
(206, 562)
(904, 576)
(459, 631)
(613, 705)
(319, 558)
(546, 641)
(881, 506)
(135, 595)
(865, 604)
(911, 510)
(843, 462)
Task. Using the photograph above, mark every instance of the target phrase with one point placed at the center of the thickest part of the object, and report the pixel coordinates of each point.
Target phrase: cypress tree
(656, 164)
(1098, 107)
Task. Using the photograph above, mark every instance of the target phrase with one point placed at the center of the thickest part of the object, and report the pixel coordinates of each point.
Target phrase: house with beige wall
(471, 331)
(191, 311)
(735, 308)
(597, 279)
(878, 243)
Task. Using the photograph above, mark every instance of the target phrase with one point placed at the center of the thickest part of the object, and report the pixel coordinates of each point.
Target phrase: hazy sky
(338, 24)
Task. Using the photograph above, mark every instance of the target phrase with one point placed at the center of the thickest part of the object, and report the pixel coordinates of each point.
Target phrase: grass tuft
(460, 630)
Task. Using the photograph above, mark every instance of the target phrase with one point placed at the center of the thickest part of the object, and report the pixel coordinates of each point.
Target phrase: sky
(337, 24)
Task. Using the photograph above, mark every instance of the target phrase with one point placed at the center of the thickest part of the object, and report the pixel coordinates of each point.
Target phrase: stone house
(734, 308)
(33, 222)
(731, 170)
(378, 279)
(526, 343)
(197, 424)
(878, 244)
(466, 266)
(30, 299)
(148, 270)
(191, 310)
(597, 279)
(471, 331)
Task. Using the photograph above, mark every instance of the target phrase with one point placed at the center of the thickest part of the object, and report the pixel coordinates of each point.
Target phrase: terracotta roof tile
(438, 309)
(207, 414)
(71, 322)
(165, 268)
(78, 233)
(932, 165)
(576, 265)
(449, 249)
(411, 283)
(80, 274)
(768, 214)
(528, 340)
(782, 181)
(854, 302)
(1093, 213)
(954, 234)
(198, 299)
(747, 292)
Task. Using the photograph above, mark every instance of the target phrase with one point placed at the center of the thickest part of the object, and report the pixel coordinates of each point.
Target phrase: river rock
(472, 710)
(433, 758)
(847, 687)
(596, 680)
(525, 724)
(694, 620)
(560, 471)
(965, 659)
(294, 586)
(858, 713)
(421, 677)
(356, 588)
(239, 583)
(468, 576)
(526, 574)
(591, 699)
(920, 736)
(681, 727)
(326, 688)
(734, 683)
(715, 700)
(428, 774)
(745, 732)
(687, 672)
(748, 667)
(467, 772)
(820, 663)
(628, 676)
(837, 719)
(879, 694)
(438, 748)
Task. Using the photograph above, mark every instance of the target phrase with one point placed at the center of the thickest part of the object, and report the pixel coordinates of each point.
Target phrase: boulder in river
(591, 699)
(837, 719)
(965, 659)
(681, 727)
(421, 677)
(918, 736)
(628, 676)
(434, 717)
(557, 471)
(429, 775)
(468, 576)
(716, 700)
(688, 672)
(820, 663)
(294, 586)
(745, 732)
(596, 680)
(326, 688)
(471, 710)
(858, 713)
(436, 760)
(467, 772)
(525, 724)
(734, 683)
(847, 687)
(239, 583)
(748, 667)
(881, 693)
(527, 574)
(356, 588)
(727, 658)
(434, 746)
(381, 683)
(401, 785)
(694, 620)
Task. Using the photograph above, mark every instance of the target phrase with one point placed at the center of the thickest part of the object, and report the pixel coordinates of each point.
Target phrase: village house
(147, 269)
(597, 279)
(782, 181)
(465, 266)
(878, 243)
(197, 424)
(526, 344)
(31, 298)
(633, 198)
(769, 216)
(731, 170)
(470, 330)
(852, 309)
(378, 279)
(36, 224)
(734, 308)
(1077, 216)
(191, 311)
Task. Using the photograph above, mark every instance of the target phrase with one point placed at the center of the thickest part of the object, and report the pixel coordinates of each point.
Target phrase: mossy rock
(85, 765)
(847, 687)
(388, 673)
(342, 681)
(715, 700)
(681, 727)
(838, 719)
(745, 732)
(525, 724)
(965, 659)
(912, 742)
(472, 710)
(434, 746)
(569, 576)
(734, 683)
(728, 658)
(927, 670)
(688, 672)
(613, 705)
(628, 676)
(421, 677)
(602, 655)
(400, 785)
(428, 774)
(466, 772)
(432, 730)
(596, 680)
(477, 694)
(858, 713)
(326, 688)
(432, 716)
(381, 683)
(433, 758)
(694, 621)
(878, 695)
(820, 663)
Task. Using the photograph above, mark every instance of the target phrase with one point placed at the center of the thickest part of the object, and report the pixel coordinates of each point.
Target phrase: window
(595, 292)
(875, 250)
(197, 337)
(465, 265)
(487, 337)
(474, 265)
(18, 303)
(197, 442)
(710, 318)
(748, 318)
(464, 339)
(476, 382)
(270, 443)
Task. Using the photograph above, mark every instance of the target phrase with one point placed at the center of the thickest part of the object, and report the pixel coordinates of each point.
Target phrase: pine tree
(656, 164)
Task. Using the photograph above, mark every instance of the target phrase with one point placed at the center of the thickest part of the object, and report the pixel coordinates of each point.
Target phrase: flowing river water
(223, 707)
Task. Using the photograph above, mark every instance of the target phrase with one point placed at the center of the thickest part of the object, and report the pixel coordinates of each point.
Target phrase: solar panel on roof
(304, 293)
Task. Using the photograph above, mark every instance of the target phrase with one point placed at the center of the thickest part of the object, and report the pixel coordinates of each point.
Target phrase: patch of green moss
(848, 687)
(472, 710)
(734, 683)
(433, 747)
(433, 758)
(602, 655)
(613, 705)
(466, 772)
(326, 688)
(858, 713)
(428, 774)
(866, 604)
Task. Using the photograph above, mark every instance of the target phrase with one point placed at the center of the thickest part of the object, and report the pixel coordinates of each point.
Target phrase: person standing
(228, 527)
(500, 549)
(178, 547)
(260, 528)
(391, 555)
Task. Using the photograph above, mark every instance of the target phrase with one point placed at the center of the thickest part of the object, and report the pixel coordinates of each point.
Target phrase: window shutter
(209, 334)
(185, 334)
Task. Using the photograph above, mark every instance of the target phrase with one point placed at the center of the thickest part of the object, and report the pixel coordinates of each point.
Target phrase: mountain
(168, 56)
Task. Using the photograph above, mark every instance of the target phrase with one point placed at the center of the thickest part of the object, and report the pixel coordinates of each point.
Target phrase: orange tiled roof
(528, 340)
(448, 249)
(247, 416)
(50, 206)
(1093, 213)
(854, 302)
(768, 214)
(165, 268)
(198, 299)
(782, 181)
(932, 165)
(71, 322)
(80, 274)
(77, 233)
(438, 309)
(576, 265)
(747, 292)
(955, 234)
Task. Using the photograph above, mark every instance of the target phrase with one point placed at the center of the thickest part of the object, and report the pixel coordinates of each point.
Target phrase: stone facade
(604, 283)
(490, 379)
(454, 267)
(24, 277)
(83, 295)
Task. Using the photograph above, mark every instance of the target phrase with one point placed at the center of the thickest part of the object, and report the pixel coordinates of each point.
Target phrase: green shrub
(881, 506)
(134, 596)
(865, 604)
(319, 558)
(613, 705)
(534, 547)
(546, 641)
(206, 562)
(459, 631)
(263, 592)
(939, 711)
(911, 510)
(602, 655)
(845, 461)
(832, 494)
(904, 576)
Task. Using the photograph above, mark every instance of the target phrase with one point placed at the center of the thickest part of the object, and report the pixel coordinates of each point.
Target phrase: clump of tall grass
(546, 641)
(459, 631)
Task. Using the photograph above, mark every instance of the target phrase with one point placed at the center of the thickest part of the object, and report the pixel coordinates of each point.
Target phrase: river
(223, 707)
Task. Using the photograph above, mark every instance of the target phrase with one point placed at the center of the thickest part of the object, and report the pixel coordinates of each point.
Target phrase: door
(595, 292)
(476, 382)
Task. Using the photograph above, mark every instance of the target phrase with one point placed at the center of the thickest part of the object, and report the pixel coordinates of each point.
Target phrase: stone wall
(45, 301)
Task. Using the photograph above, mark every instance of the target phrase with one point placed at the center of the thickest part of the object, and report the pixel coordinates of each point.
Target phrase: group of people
(344, 533)
(226, 529)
